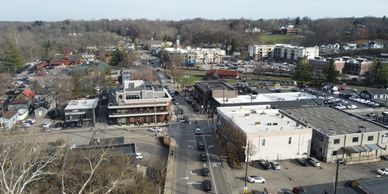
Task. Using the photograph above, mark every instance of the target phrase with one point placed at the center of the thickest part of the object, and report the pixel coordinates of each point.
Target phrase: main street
(187, 170)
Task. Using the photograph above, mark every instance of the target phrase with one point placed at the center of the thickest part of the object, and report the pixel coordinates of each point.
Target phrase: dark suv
(201, 146)
(207, 185)
(205, 171)
(203, 157)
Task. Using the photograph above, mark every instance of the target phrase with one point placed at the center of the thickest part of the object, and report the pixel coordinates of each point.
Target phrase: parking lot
(292, 174)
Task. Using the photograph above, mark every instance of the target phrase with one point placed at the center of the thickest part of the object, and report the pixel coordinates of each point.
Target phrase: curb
(169, 182)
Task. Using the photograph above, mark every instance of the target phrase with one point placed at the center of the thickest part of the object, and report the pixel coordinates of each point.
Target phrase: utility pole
(155, 112)
(336, 177)
(247, 153)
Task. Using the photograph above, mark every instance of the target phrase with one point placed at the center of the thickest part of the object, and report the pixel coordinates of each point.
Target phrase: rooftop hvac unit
(253, 111)
(274, 123)
(246, 115)
(257, 123)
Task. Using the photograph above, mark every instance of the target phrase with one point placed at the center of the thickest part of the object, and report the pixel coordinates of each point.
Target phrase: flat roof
(258, 118)
(82, 104)
(332, 121)
(268, 97)
(214, 85)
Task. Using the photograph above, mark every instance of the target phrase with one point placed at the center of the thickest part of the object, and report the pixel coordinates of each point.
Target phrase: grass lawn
(192, 77)
(277, 38)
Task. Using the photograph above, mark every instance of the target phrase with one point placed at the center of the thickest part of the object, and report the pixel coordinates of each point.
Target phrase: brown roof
(28, 93)
(10, 114)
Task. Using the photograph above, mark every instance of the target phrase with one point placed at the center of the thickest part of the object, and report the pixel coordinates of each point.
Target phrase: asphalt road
(187, 177)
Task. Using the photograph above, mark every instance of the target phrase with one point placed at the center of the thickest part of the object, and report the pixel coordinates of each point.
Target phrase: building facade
(139, 103)
(9, 119)
(204, 91)
(269, 134)
(81, 111)
(341, 135)
(259, 52)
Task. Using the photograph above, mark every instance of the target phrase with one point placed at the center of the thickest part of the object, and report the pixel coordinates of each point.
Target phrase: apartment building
(260, 52)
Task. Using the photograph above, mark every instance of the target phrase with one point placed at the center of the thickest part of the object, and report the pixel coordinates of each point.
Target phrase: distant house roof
(223, 72)
(28, 93)
(376, 91)
(10, 114)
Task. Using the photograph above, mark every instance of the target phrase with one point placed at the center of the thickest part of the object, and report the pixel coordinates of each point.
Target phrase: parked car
(202, 157)
(384, 157)
(302, 162)
(266, 165)
(275, 165)
(186, 119)
(205, 171)
(201, 146)
(155, 129)
(207, 185)
(57, 124)
(46, 125)
(139, 156)
(26, 125)
(382, 171)
(256, 179)
(313, 162)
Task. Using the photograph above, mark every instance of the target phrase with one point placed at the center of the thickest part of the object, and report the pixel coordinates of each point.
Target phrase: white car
(255, 179)
(139, 156)
(156, 129)
(382, 171)
(26, 124)
(197, 131)
(46, 125)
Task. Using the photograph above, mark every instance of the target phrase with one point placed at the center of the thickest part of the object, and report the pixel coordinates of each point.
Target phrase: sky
(57, 10)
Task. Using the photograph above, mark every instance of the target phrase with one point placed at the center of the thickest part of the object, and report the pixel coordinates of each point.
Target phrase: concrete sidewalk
(169, 183)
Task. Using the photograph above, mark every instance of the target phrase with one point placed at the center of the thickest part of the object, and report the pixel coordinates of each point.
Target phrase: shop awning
(362, 148)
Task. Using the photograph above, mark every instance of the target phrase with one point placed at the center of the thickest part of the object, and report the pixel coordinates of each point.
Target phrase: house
(341, 135)
(222, 73)
(40, 112)
(139, 103)
(22, 100)
(375, 94)
(269, 133)
(81, 111)
(9, 119)
(66, 59)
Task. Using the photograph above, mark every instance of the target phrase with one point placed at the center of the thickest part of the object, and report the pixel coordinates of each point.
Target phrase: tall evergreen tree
(13, 57)
(303, 71)
(330, 73)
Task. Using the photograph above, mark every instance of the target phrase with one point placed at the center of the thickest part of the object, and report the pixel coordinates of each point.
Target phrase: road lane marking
(194, 183)
(184, 178)
(211, 170)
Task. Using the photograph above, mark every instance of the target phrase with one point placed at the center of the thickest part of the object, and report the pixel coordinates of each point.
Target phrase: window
(263, 142)
(355, 139)
(289, 140)
(335, 153)
(336, 141)
(370, 138)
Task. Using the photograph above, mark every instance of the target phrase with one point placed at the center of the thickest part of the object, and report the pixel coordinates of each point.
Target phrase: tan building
(341, 135)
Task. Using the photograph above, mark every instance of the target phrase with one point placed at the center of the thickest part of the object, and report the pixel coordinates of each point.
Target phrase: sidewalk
(169, 183)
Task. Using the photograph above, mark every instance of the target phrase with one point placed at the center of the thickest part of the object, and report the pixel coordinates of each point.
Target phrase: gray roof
(376, 91)
(332, 121)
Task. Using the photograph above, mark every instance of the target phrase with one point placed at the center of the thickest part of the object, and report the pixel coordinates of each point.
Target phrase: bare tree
(5, 82)
(23, 164)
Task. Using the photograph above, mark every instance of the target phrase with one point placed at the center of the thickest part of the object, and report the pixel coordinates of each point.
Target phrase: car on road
(201, 146)
(202, 157)
(313, 162)
(197, 131)
(275, 165)
(205, 171)
(185, 119)
(26, 125)
(155, 129)
(382, 171)
(206, 185)
(302, 161)
(139, 156)
(256, 179)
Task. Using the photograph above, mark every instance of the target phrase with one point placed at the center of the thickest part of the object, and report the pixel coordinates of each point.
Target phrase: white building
(199, 55)
(272, 135)
(260, 51)
(282, 51)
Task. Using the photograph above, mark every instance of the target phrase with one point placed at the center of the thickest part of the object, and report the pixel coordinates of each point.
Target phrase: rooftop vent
(253, 111)
(257, 123)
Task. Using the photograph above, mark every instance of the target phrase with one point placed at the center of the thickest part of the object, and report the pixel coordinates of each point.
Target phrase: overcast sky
(54, 10)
